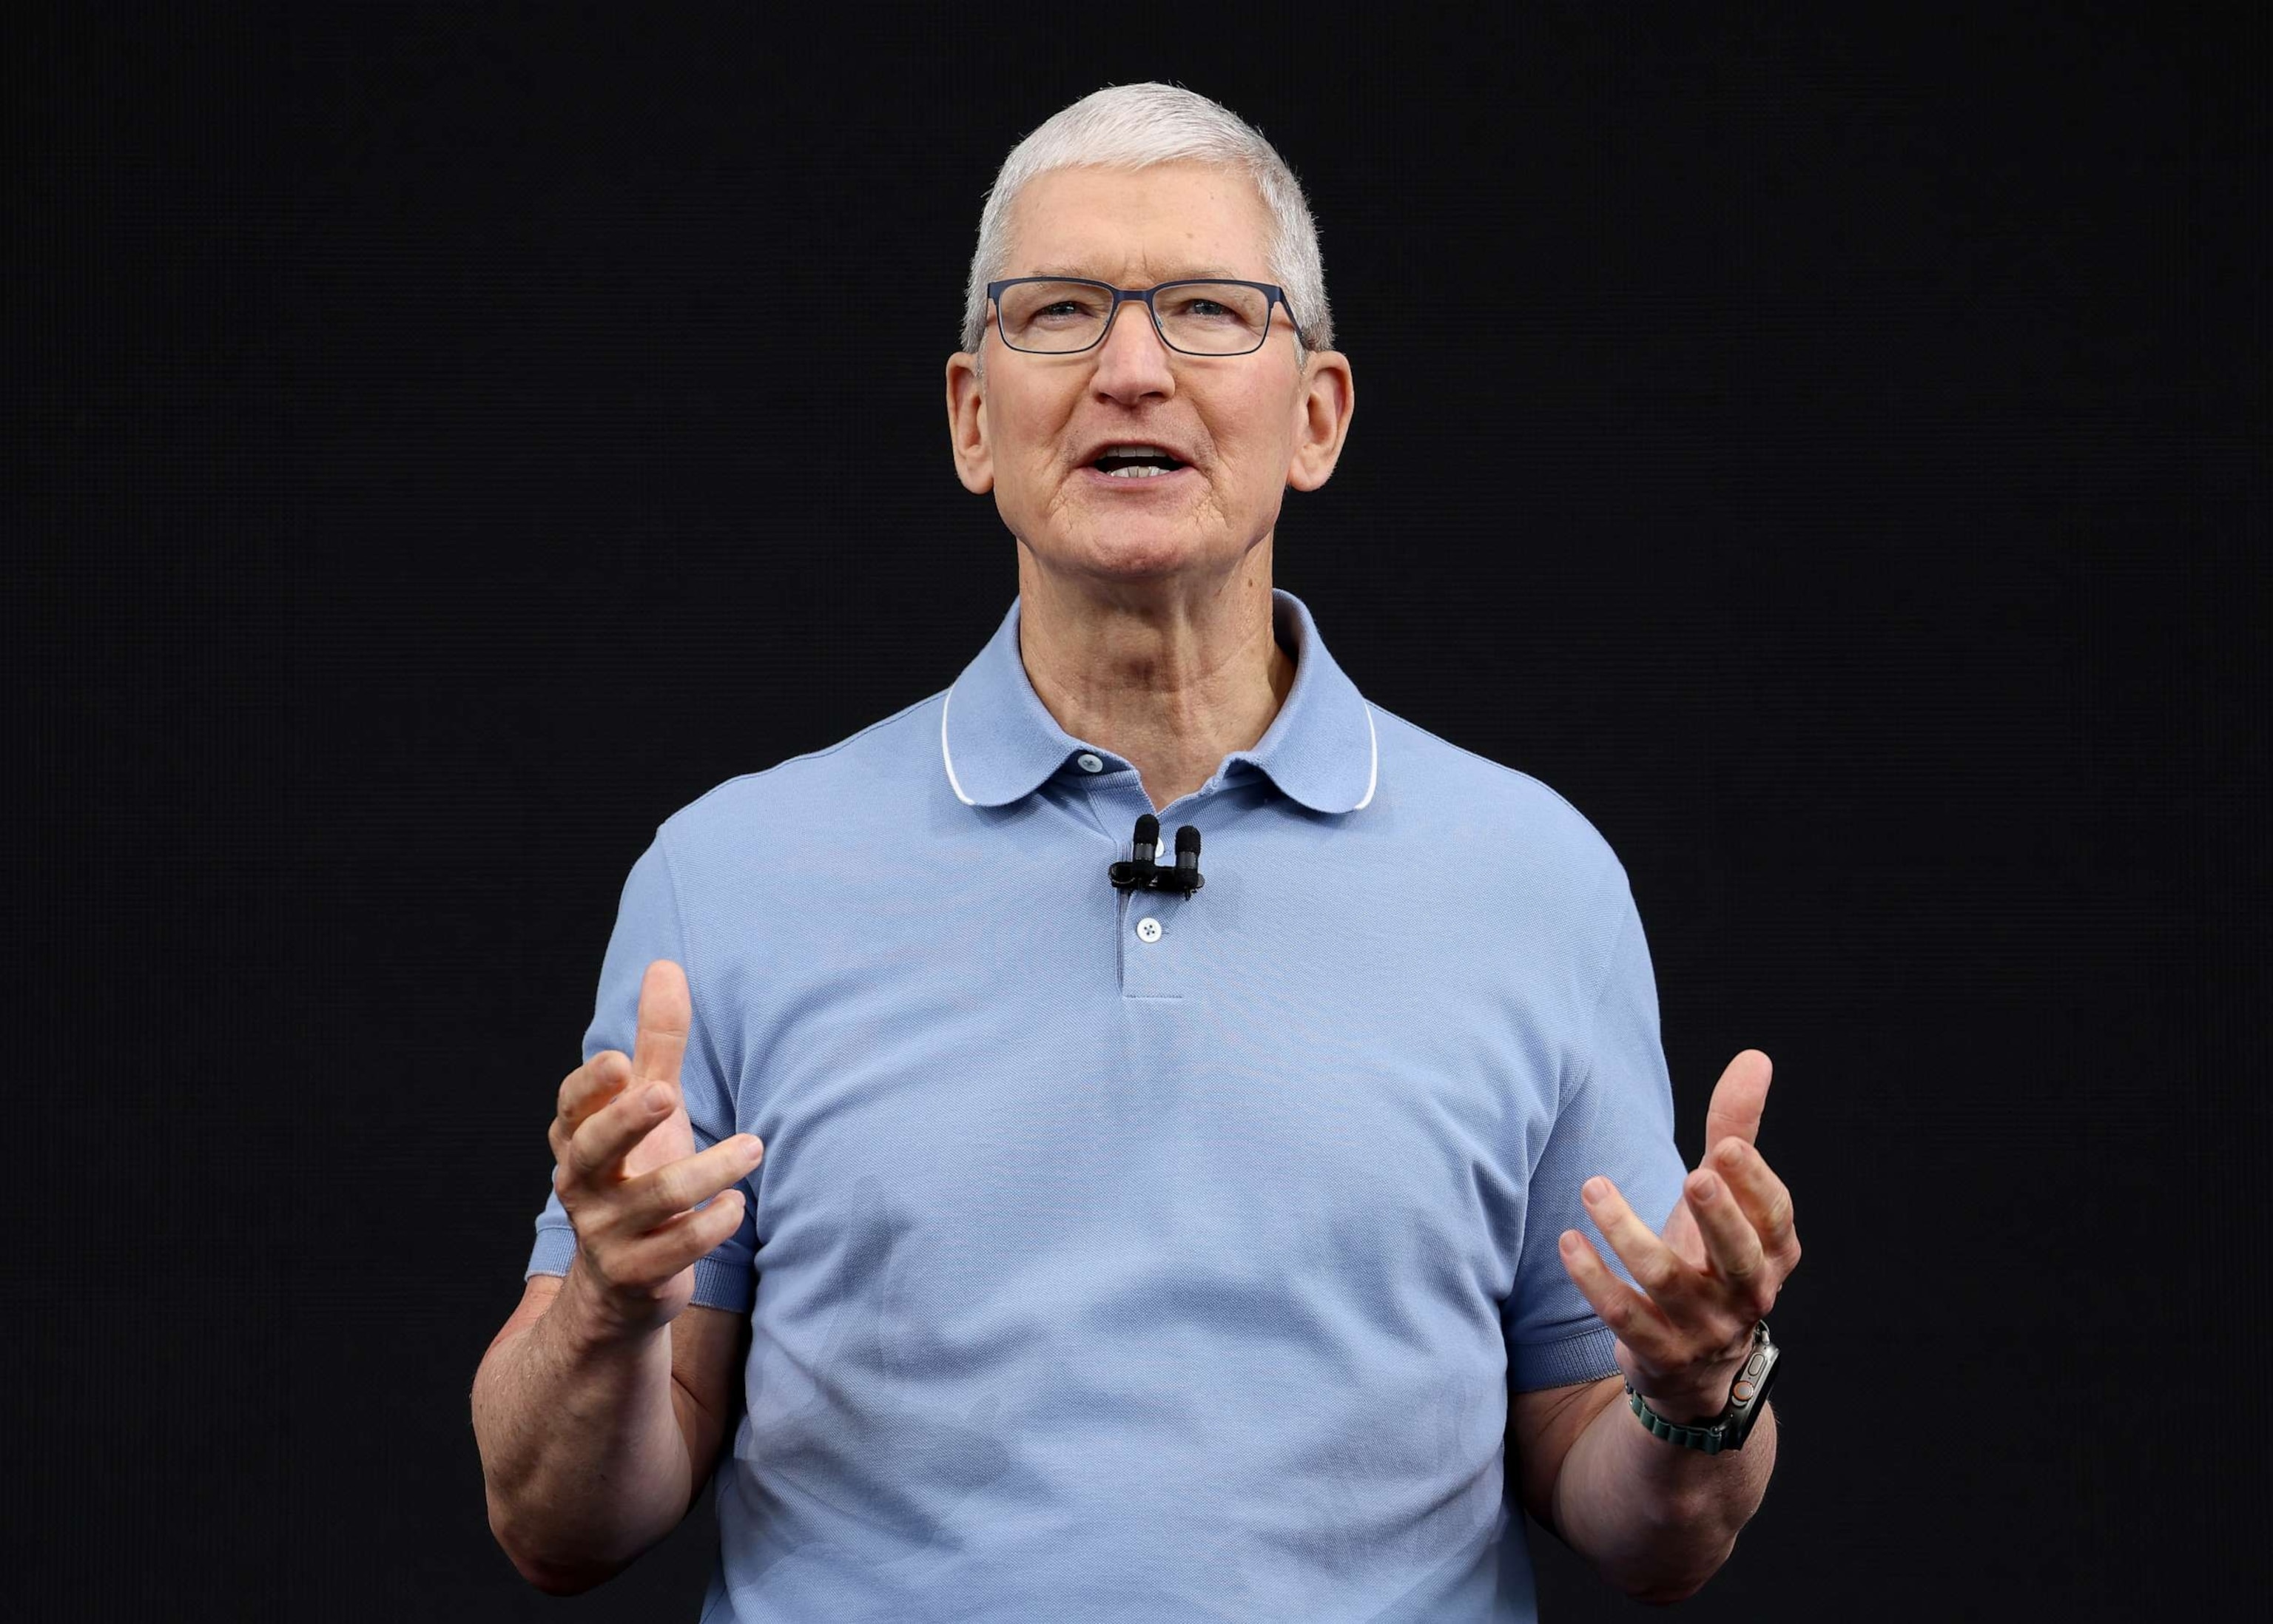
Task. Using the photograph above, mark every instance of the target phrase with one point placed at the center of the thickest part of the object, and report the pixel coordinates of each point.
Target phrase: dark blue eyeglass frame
(1143, 296)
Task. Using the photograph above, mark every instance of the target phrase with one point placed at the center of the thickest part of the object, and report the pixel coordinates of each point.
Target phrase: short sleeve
(1617, 1119)
(649, 926)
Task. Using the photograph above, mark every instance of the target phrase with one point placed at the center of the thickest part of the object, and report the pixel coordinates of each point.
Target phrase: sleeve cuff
(721, 1284)
(718, 1284)
(1587, 1357)
(555, 1246)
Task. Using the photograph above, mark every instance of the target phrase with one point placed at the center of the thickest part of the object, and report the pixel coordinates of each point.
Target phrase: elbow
(552, 1580)
(1663, 1589)
(1680, 1579)
(555, 1581)
(537, 1577)
(1665, 1595)
(555, 1585)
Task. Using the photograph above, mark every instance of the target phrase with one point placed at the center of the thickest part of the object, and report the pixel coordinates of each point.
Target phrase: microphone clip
(1142, 872)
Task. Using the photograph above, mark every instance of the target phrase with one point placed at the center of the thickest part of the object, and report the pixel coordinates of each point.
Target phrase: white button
(1148, 930)
(1089, 763)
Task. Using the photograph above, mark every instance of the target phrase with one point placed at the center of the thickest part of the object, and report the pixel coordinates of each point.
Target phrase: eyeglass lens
(1203, 319)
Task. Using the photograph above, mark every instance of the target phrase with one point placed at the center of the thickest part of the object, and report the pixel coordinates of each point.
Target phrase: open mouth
(1134, 462)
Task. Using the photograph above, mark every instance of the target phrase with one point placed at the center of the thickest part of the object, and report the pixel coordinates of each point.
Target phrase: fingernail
(754, 1149)
(1704, 1188)
(1597, 1188)
(656, 1099)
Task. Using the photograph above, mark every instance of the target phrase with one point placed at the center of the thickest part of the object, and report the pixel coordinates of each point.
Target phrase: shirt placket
(1149, 953)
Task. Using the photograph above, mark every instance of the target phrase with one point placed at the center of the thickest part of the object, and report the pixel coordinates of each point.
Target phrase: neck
(1175, 676)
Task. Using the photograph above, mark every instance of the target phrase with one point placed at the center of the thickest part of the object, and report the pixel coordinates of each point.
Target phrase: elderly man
(1023, 1222)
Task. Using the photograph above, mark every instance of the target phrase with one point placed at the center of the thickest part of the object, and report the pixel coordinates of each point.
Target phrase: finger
(1739, 1098)
(1762, 1195)
(686, 1239)
(697, 1212)
(653, 1198)
(599, 1147)
(1731, 1242)
(591, 1086)
(1636, 1321)
(665, 1012)
(1671, 1284)
(586, 1090)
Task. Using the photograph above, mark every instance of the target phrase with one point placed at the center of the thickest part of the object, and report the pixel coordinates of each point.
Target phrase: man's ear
(966, 423)
(1323, 404)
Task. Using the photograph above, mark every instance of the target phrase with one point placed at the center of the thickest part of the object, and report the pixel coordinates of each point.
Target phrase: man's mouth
(1135, 461)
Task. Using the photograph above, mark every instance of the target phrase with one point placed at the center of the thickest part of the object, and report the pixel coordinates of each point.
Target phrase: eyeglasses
(1063, 316)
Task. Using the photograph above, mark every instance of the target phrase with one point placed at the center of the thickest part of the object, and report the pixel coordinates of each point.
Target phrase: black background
(449, 439)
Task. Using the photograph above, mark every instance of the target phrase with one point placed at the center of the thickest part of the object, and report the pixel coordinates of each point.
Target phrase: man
(1087, 1243)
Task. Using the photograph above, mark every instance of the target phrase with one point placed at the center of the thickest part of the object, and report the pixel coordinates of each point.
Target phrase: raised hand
(629, 1175)
(1727, 1248)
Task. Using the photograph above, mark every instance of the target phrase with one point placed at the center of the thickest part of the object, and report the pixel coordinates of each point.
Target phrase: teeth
(1136, 451)
(1137, 471)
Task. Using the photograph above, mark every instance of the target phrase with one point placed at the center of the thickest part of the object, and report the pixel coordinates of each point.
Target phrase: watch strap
(1747, 1393)
(1710, 1436)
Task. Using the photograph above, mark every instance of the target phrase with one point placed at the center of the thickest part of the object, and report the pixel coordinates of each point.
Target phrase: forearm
(582, 1454)
(1655, 1519)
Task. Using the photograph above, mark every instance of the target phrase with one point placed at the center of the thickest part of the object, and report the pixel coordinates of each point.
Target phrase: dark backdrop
(1829, 449)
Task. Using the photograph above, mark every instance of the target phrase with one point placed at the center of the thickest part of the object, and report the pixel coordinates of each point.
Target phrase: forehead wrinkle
(1179, 275)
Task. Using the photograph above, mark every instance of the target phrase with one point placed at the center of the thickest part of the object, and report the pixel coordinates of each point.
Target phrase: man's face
(1244, 427)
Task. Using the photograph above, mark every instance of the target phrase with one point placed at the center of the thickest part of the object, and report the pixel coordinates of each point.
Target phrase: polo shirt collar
(998, 742)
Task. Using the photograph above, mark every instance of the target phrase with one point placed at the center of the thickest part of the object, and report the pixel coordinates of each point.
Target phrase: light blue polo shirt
(1104, 1273)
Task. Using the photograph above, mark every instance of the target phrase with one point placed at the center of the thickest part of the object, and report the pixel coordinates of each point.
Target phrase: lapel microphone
(1141, 872)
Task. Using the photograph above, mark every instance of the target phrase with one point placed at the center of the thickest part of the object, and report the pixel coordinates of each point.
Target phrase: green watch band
(1748, 1395)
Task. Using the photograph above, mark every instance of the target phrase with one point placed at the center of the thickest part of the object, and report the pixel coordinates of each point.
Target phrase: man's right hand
(629, 1177)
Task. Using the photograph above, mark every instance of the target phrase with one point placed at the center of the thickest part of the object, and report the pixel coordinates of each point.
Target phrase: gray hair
(1134, 126)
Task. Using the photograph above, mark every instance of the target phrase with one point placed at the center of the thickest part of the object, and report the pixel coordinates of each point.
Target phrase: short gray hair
(1132, 127)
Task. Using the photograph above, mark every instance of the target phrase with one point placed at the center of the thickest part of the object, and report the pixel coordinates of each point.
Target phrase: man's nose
(1131, 361)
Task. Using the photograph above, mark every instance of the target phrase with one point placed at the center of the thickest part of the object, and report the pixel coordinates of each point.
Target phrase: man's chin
(1109, 538)
(1125, 549)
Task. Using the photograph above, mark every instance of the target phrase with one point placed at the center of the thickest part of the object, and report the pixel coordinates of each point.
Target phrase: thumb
(1738, 1099)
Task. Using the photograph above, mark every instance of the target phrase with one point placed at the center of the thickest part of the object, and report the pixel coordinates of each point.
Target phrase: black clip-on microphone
(1141, 873)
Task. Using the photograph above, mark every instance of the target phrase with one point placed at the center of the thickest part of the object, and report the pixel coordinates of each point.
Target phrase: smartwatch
(1748, 1395)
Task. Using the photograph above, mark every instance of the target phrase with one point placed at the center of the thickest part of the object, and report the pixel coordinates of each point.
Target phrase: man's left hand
(1727, 1249)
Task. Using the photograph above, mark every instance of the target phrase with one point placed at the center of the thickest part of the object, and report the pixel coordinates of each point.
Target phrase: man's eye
(1063, 307)
(1199, 307)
